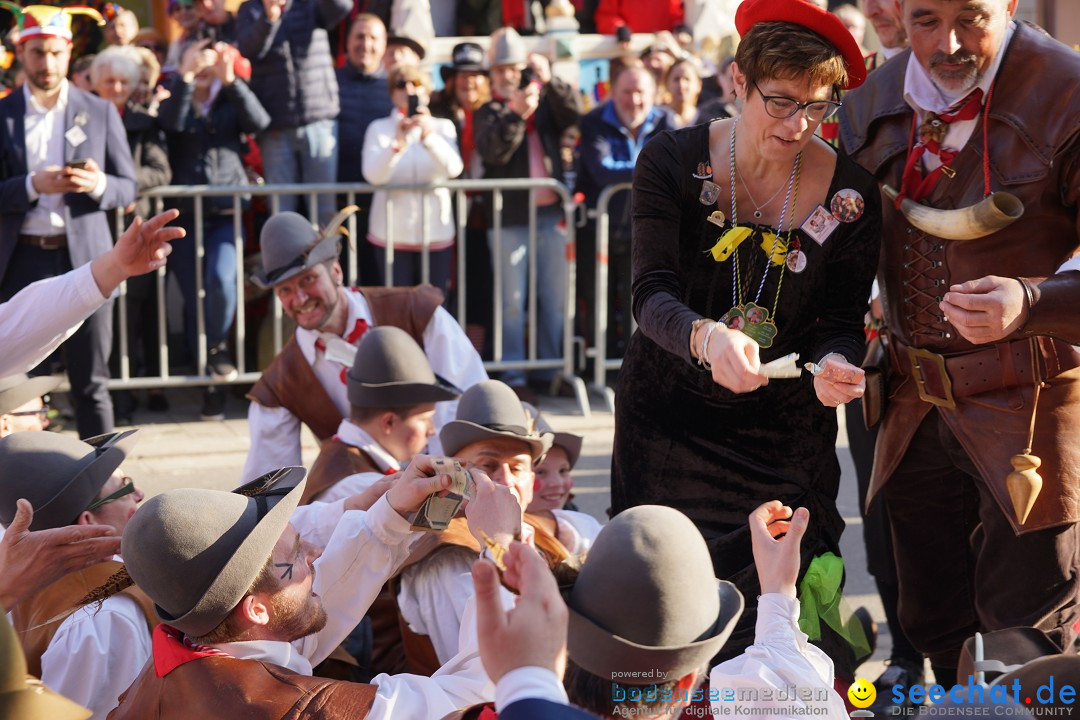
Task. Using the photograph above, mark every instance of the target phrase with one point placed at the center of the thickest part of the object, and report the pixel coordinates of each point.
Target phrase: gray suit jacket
(85, 218)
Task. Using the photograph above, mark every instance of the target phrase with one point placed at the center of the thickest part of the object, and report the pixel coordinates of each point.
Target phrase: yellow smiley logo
(862, 693)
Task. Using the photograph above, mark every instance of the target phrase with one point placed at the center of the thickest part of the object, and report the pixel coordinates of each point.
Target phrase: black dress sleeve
(656, 211)
(851, 266)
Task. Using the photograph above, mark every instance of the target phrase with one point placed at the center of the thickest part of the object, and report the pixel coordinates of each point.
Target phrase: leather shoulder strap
(409, 308)
(290, 383)
(337, 460)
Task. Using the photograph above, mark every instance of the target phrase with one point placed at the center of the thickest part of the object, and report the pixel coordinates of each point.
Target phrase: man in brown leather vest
(248, 604)
(90, 655)
(492, 432)
(306, 382)
(982, 316)
(392, 396)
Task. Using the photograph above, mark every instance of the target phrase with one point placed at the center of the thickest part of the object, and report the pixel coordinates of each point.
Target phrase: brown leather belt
(44, 242)
(941, 379)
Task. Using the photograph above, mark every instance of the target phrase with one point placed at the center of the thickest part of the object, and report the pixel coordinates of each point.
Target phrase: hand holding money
(441, 507)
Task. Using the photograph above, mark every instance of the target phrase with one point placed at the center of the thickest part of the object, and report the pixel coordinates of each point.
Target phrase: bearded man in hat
(65, 162)
(392, 396)
(22, 408)
(306, 382)
(492, 432)
(982, 314)
(88, 656)
(248, 604)
(648, 657)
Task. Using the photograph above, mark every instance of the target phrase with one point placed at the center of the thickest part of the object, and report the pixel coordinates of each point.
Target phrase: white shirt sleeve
(452, 357)
(365, 550)
(460, 682)
(433, 596)
(316, 522)
(44, 314)
(95, 656)
(275, 440)
(529, 682)
(780, 658)
(576, 530)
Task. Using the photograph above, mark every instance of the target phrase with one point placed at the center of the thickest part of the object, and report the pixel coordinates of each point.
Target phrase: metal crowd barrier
(598, 352)
(248, 373)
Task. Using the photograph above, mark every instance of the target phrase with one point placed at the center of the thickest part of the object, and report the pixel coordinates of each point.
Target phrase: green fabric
(822, 600)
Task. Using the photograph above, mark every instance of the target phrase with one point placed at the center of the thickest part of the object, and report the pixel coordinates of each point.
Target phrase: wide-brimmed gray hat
(196, 552)
(17, 390)
(569, 442)
(399, 38)
(391, 370)
(507, 48)
(655, 555)
(491, 409)
(58, 474)
(23, 697)
(290, 245)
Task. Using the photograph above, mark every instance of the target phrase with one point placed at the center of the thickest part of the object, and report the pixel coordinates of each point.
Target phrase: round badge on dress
(847, 205)
(796, 261)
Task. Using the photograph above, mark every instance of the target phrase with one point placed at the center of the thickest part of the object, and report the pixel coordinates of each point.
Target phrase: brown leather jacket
(225, 687)
(290, 383)
(1034, 152)
(31, 617)
(337, 460)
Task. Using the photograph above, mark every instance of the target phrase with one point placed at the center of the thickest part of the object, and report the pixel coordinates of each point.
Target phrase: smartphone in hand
(414, 105)
(79, 164)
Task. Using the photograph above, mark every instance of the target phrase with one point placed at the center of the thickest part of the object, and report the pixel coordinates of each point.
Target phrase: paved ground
(177, 449)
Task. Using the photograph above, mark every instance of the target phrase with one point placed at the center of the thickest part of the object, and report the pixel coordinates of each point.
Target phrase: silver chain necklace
(759, 208)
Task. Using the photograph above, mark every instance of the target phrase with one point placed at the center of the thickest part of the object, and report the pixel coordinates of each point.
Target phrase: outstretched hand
(142, 248)
(777, 558)
(533, 633)
(30, 561)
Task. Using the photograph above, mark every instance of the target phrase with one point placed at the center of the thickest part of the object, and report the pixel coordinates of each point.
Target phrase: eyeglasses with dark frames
(782, 107)
(402, 84)
(42, 413)
(126, 488)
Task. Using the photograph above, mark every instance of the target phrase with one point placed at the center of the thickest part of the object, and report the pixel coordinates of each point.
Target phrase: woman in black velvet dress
(698, 427)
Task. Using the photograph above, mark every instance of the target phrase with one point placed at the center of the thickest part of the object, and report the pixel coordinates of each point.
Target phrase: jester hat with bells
(47, 20)
(290, 245)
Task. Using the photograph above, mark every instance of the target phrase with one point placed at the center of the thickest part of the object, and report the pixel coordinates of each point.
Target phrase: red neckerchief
(915, 185)
(171, 649)
(352, 338)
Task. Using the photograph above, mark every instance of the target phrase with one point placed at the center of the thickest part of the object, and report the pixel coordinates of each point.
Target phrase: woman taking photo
(410, 147)
(728, 274)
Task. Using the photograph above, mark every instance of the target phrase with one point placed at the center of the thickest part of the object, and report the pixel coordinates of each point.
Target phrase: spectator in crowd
(198, 20)
(186, 18)
(660, 56)
(412, 147)
(122, 28)
(888, 22)
(612, 135)
(722, 103)
(22, 405)
(207, 114)
(115, 75)
(55, 194)
(854, 21)
(151, 40)
(91, 655)
(364, 97)
(518, 136)
(402, 50)
(466, 89)
(147, 92)
(80, 73)
(683, 85)
(684, 35)
(640, 17)
(292, 75)
(479, 17)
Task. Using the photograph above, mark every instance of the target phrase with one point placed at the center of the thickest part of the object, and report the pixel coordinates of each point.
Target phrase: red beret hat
(811, 17)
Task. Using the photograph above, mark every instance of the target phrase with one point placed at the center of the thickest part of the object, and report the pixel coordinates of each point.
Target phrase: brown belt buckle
(915, 355)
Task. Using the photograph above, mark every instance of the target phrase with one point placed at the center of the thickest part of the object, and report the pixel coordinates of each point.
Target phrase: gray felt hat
(58, 474)
(23, 697)
(491, 409)
(569, 442)
(17, 390)
(507, 48)
(391, 370)
(196, 552)
(657, 556)
(289, 245)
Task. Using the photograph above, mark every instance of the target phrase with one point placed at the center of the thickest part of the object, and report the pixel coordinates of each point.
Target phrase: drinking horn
(995, 212)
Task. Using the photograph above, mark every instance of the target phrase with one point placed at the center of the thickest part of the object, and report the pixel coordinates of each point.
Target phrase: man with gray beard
(985, 387)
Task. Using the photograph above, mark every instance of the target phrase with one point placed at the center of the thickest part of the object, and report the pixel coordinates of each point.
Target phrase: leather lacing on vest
(924, 280)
